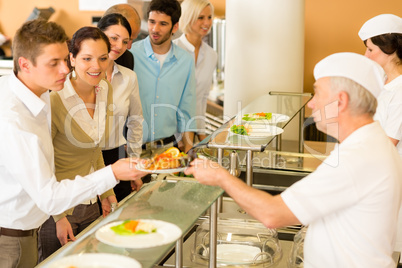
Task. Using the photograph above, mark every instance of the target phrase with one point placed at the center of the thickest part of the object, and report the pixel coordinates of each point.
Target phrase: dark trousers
(83, 216)
(123, 188)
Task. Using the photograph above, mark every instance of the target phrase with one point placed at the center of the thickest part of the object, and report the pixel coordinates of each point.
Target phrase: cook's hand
(207, 172)
(124, 169)
(107, 205)
(64, 231)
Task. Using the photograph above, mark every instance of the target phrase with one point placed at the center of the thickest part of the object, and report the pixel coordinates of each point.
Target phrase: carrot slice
(131, 225)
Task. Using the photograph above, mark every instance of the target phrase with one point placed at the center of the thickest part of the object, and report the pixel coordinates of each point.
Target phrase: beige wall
(330, 26)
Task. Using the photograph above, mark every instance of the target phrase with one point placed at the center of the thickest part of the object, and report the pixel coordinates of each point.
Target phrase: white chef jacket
(93, 127)
(126, 105)
(389, 114)
(204, 69)
(351, 203)
(389, 110)
(29, 191)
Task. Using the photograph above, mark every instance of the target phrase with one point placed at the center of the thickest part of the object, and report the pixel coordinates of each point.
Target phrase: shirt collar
(393, 84)
(186, 43)
(116, 69)
(30, 100)
(68, 90)
(150, 52)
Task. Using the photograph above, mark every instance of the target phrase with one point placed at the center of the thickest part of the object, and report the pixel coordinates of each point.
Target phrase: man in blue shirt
(166, 80)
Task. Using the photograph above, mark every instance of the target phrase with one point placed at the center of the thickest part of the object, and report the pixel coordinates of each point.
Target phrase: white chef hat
(381, 24)
(356, 67)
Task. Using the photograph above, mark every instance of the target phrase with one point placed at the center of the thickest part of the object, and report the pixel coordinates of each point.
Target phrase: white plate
(171, 170)
(259, 132)
(95, 260)
(276, 118)
(166, 233)
(236, 254)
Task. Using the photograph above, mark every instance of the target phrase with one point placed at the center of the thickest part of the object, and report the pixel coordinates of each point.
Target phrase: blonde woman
(195, 23)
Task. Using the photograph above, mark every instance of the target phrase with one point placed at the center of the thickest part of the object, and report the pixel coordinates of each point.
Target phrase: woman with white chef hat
(382, 36)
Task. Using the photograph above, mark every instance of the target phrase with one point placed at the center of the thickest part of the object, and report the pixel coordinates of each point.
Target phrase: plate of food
(170, 161)
(255, 132)
(142, 233)
(95, 260)
(264, 118)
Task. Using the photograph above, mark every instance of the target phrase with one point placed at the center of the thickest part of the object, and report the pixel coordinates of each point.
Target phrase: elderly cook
(352, 200)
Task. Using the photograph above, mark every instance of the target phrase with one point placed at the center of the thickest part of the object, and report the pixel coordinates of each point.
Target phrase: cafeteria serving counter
(177, 202)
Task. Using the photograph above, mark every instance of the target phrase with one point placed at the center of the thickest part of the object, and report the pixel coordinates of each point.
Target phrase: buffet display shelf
(178, 202)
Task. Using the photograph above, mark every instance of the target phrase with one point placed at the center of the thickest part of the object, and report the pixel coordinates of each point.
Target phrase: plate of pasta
(170, 161)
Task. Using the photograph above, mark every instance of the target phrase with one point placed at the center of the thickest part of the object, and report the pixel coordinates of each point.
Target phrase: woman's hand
(64, 231)
(107, 204)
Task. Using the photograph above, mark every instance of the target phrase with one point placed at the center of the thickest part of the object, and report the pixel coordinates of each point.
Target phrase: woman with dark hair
(382, 36)
(126, 99)
(80, 117)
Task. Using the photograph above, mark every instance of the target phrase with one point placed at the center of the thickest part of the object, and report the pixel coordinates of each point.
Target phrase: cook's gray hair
(361, 101)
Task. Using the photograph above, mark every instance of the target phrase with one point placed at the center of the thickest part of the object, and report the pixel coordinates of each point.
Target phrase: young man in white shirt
(30, 191)
(351, 201)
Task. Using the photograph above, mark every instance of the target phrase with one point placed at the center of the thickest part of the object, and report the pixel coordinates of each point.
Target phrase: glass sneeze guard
(284, 104)
(177, 202)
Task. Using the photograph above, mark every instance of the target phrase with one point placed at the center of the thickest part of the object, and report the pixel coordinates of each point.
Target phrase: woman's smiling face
(91, 61)
(119, 38)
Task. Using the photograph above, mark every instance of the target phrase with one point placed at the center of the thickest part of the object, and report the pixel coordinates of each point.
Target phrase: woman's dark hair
(114, 19)
(83, 34)
(389, 43)
(171, 8)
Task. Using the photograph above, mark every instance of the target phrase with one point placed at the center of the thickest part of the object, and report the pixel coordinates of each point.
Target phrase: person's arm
(38, 180)
(134, 122)
(270, 210)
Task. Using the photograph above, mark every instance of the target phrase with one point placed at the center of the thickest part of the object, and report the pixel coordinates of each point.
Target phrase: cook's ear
(343, 100)
(25, 64)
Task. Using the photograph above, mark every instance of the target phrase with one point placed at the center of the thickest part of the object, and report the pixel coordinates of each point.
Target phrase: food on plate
(169, 159)
(133, 227)
(257, 116)
(241, 129)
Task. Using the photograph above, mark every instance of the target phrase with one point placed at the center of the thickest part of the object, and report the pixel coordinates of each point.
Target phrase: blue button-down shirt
(168, 93)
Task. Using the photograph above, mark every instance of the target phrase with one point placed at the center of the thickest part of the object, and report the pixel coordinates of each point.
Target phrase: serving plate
(166, 233)
(159, 171)
(259, 132)
(253, 118)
